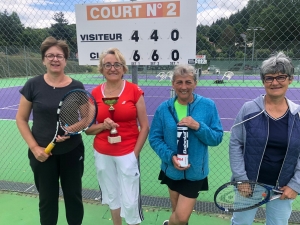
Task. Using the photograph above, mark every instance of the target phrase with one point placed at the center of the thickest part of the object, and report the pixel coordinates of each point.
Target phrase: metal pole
(134, 74)
(244, 60)
(134, 69)
(253, 45)
(8, 70)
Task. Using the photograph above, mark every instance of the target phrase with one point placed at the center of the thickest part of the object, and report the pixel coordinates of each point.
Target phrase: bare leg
(115, 214)
(174, 198)
(182, 208)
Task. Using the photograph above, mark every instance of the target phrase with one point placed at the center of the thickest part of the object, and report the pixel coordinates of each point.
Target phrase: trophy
(114, 137)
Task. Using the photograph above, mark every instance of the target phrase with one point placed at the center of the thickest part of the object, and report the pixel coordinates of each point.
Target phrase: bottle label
(182, 145)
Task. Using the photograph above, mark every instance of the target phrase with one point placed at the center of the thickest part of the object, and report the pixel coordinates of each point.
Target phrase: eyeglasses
(280, 78)
(117, 66)
(52, 56)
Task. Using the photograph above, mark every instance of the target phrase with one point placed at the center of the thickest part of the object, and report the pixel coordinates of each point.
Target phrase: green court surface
(15, 165)
(22, 209)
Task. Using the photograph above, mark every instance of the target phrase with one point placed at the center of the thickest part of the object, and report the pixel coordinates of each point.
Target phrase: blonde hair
(119, 56)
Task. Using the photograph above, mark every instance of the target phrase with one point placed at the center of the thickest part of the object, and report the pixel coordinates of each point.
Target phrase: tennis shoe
(166, 222)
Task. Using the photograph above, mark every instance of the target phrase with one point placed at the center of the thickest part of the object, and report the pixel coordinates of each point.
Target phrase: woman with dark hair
(265, 144)
(41, 96)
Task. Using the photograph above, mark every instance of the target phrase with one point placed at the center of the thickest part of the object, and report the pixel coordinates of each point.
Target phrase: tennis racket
(76, 112)
(244, 195)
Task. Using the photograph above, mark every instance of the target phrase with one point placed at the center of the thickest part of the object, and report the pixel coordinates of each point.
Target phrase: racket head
(240, 196)
(77, 111)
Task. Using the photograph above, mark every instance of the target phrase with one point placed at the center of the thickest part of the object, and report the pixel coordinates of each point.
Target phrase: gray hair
(184, 69)
(277, 63)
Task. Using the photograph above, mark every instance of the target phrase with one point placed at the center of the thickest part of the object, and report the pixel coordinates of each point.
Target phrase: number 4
(135, 36)
(154, 35)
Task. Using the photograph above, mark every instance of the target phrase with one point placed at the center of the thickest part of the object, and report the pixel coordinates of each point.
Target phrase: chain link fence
(232, 35)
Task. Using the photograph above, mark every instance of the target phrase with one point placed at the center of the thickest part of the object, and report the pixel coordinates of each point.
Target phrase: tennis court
(16, 175)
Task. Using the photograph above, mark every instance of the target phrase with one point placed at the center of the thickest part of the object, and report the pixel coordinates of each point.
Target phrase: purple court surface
(228, 99)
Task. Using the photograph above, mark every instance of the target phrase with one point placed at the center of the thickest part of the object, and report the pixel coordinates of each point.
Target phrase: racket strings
(242, 196)
(77, 112)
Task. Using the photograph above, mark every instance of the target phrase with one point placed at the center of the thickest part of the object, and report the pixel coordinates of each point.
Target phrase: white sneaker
(166, 222)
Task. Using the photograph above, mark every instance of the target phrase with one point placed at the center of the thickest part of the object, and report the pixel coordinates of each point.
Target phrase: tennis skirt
(187, 188)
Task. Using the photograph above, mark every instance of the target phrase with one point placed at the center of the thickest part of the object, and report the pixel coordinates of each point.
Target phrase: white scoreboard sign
(146, 32)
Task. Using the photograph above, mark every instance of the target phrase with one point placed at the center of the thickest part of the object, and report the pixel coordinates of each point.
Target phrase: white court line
(9, 107)
(29, 188)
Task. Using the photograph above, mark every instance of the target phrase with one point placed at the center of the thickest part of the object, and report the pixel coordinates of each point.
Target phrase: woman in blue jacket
(201, 118)
(265, 143)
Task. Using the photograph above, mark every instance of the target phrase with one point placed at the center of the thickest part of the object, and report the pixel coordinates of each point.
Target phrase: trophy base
(113, 140)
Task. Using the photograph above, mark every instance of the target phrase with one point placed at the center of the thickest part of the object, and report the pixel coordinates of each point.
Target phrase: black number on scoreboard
(155, 56)
(136, 56)
(174, 35)
(135, 36)
(154, 35)
(175, 55)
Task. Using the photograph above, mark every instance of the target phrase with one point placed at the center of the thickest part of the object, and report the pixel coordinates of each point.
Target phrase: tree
(34, 37)
(214, 33)
(11, 29)
(202, 43)
(62, 31)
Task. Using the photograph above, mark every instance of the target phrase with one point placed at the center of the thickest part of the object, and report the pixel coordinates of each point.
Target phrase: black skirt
(187, 188)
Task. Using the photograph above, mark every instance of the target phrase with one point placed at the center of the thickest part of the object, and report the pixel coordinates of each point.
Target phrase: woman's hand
(62, 138)
(39, 153)
(189, 122)
(177, 164)
(288, 193)
(109, 124)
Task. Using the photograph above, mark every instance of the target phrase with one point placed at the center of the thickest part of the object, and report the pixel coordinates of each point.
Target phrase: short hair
(277, 63)
(183, 69)
(119, 56)
(50, 42)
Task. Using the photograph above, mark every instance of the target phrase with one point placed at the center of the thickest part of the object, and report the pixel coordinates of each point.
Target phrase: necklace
(110, 92)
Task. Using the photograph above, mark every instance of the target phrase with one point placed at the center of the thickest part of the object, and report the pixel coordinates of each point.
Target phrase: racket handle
(49, 148)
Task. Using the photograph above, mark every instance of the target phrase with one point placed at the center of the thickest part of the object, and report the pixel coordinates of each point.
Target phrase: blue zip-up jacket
(163, 137)
(249, 138)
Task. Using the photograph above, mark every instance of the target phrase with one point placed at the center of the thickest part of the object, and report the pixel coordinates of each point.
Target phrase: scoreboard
(146, 32)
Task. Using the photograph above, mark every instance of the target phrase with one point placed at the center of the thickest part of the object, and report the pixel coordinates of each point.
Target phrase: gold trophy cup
(114, 137)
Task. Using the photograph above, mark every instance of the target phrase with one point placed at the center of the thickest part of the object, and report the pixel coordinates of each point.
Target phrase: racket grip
(49, 148)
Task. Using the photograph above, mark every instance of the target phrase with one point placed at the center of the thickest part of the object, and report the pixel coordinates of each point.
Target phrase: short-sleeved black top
(45, 100)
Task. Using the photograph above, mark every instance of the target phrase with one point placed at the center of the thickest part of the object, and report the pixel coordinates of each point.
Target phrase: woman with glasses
(265, 144)
(121, 131)
(41, 96)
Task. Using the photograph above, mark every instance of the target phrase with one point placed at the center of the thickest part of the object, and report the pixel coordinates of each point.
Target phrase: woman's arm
(22, 118)
(236, 148)
(95, 129)
(144, 125)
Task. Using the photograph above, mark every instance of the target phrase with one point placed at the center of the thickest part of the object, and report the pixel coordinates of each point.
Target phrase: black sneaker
(166, 222)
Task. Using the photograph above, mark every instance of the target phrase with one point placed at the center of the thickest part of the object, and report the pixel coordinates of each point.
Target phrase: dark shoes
(166, 222)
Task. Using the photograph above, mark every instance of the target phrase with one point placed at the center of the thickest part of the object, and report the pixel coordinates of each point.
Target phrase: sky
(39, 13)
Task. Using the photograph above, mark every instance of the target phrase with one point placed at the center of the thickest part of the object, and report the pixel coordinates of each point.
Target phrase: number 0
(174, 35)
(175, 55)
